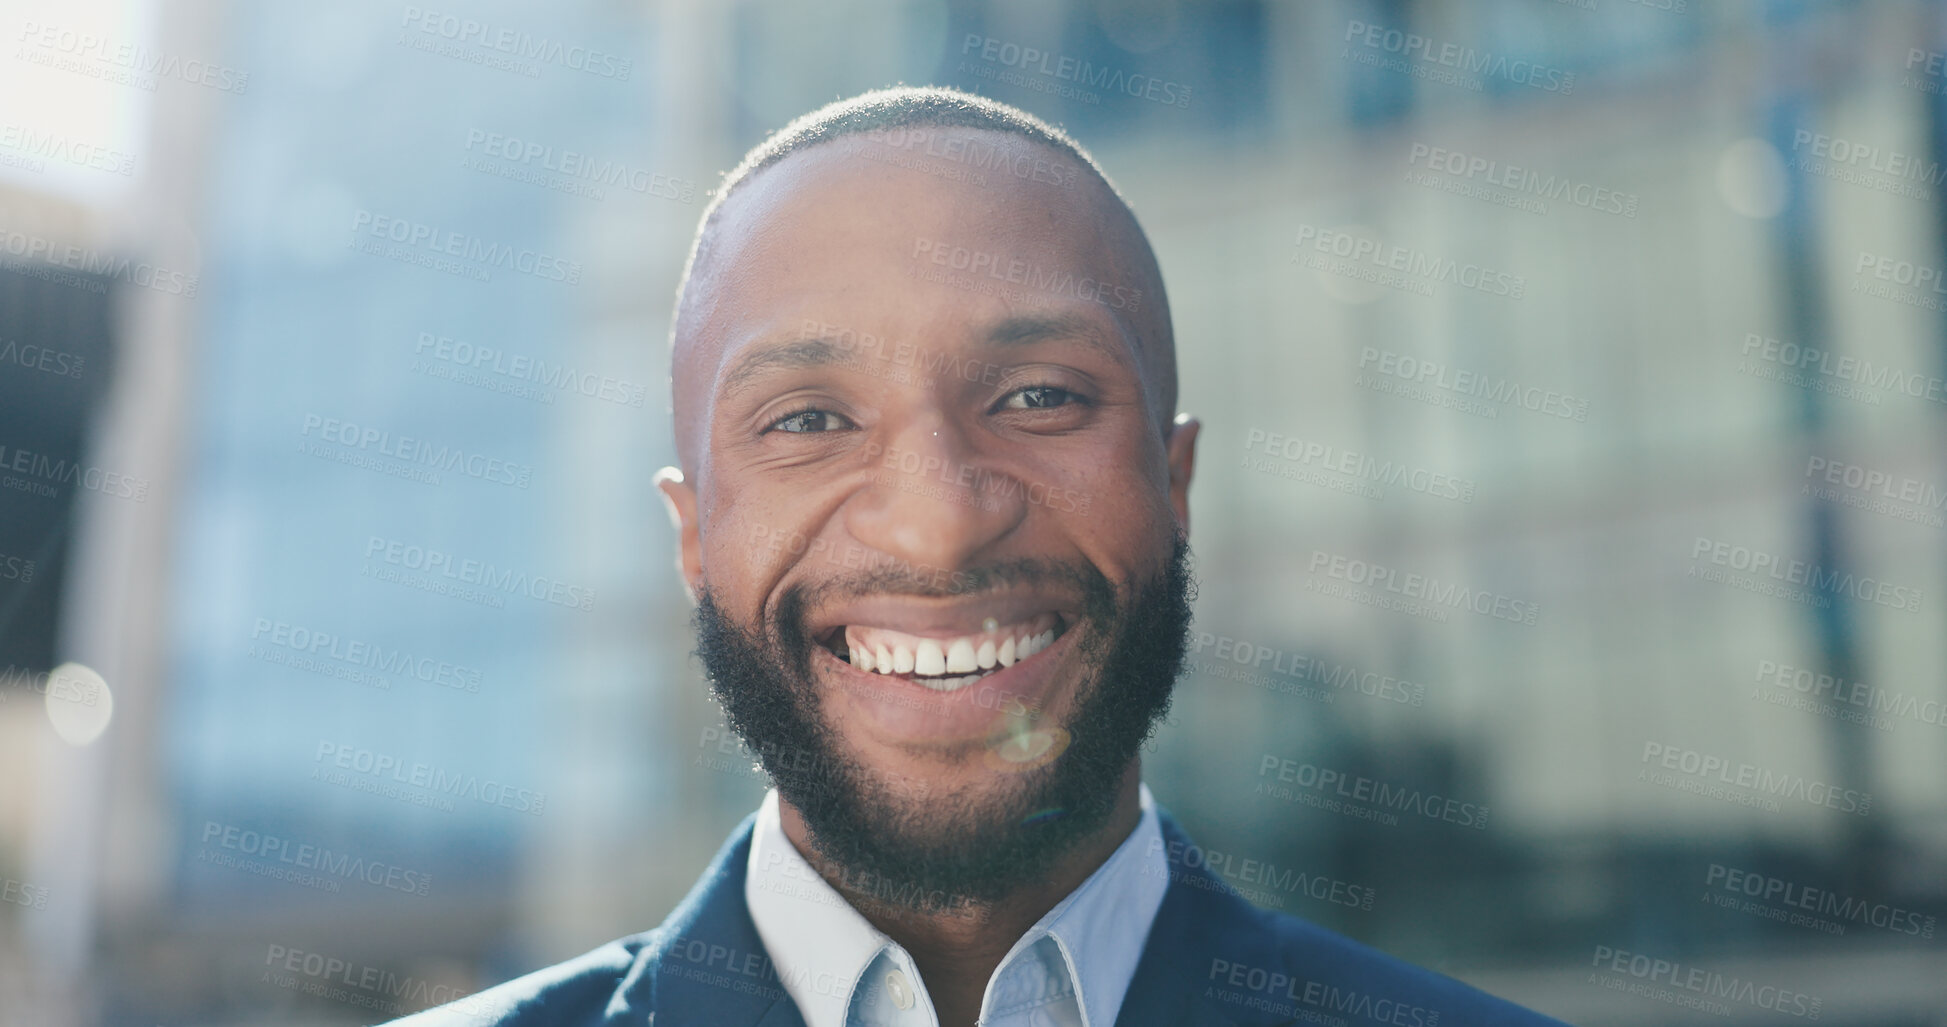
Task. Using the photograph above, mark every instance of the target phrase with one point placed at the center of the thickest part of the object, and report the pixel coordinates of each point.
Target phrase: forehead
(914, 233)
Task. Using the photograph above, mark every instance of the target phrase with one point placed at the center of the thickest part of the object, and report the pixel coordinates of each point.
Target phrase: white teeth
(930, 659)
(1031, 644)
(946, 663)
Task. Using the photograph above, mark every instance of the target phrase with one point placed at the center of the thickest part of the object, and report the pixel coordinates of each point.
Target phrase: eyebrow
(1019, 330)
(1022, 329)
(789, 356)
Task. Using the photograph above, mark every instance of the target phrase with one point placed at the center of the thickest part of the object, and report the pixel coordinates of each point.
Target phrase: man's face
(932, 508)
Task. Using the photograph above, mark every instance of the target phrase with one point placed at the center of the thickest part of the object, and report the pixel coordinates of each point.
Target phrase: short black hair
(898, 107)
(883, 110)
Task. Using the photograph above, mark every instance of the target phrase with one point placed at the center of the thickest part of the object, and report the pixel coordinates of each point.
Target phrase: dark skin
(1071, 394)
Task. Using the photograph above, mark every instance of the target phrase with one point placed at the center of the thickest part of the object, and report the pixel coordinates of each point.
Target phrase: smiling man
(933, 509)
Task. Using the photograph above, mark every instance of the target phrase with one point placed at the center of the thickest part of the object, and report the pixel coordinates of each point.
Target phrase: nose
(934, 503)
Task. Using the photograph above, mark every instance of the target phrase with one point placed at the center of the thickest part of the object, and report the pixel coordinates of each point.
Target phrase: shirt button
(901, 991)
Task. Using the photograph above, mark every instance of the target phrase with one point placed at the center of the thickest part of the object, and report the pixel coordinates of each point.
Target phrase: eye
(1038, 397)
(810, 421)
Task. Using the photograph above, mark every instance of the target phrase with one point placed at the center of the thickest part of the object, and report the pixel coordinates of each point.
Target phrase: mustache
(1023, 572)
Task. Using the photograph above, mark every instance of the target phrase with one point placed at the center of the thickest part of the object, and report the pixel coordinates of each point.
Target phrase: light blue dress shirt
(1071, 969)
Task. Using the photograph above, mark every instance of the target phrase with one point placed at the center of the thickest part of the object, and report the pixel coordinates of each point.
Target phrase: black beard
(940, 853)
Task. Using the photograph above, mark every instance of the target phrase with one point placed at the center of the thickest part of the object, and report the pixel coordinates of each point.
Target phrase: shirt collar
(1103, 925)
(820, 945)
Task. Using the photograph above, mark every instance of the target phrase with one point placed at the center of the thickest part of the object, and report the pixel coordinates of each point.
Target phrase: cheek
(752, 540)
(1117, 513)
(1113, 490)
(745, 540)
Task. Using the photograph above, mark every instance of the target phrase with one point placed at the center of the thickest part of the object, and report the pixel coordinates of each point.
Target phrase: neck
(958, 949)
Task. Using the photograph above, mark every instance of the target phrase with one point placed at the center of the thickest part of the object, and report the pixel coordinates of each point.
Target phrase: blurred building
(1501, 322)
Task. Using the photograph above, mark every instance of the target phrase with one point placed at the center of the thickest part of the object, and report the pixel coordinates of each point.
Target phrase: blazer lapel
(710, 966)
(1201, 920)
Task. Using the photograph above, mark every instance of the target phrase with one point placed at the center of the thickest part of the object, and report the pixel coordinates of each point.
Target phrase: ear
(680, 496)
(1183, 462)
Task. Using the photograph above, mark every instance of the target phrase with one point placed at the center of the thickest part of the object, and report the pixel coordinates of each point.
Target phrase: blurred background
(1572, 380)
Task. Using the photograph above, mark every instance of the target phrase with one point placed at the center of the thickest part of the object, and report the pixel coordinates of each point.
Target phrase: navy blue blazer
(1212, 960)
